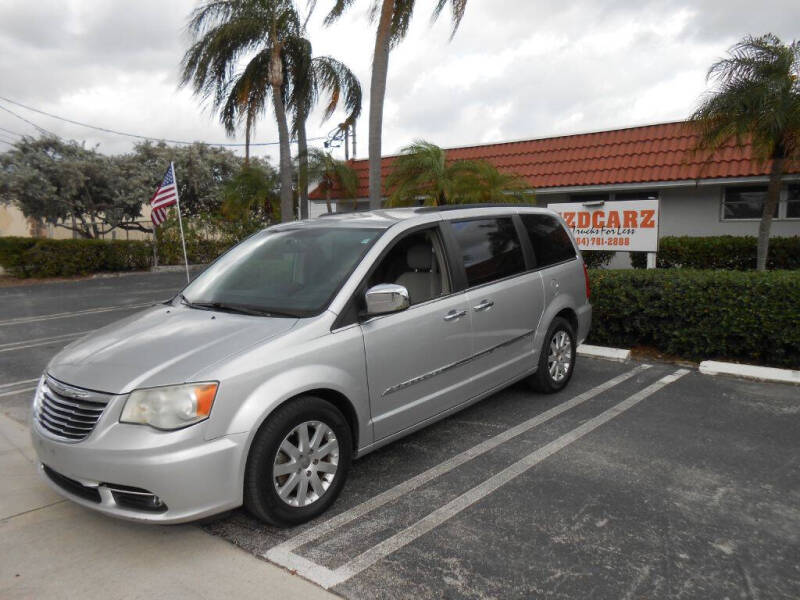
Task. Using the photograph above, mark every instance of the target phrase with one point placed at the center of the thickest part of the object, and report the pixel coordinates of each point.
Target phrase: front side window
(551, 242)
(490, 249)
(416, 261)
(744, 202)
(292, 272)
(793, 202)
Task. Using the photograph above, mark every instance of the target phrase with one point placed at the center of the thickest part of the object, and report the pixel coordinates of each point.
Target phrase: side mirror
(386, 298)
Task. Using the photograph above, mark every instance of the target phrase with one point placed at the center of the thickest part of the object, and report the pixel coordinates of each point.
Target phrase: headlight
(170, 407)
(38, 395)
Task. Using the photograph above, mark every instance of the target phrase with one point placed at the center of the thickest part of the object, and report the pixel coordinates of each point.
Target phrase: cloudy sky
(517, 69)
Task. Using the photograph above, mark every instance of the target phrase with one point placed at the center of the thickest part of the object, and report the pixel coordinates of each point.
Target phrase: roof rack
(426, 209)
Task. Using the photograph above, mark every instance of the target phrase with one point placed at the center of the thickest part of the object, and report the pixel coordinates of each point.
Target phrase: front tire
(298, 462)
(557, 358)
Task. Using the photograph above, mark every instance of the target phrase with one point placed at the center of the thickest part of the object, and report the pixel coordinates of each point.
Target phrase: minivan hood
(162, 345)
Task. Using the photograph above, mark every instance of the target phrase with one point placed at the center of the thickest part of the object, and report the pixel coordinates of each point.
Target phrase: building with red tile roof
(700, 194)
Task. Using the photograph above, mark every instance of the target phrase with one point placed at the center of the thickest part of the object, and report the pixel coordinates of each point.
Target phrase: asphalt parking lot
(637, 481)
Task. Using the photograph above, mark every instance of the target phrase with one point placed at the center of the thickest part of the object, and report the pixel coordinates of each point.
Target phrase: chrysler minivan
(305, 346)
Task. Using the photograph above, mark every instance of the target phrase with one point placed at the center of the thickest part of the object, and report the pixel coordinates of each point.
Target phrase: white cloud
(516, 69)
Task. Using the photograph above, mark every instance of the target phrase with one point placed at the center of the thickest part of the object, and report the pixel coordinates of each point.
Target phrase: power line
(31, 123)
(131, 135)
(11, 132)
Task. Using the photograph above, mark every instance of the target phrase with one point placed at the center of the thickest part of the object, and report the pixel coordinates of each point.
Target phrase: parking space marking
(470, 497)
(77, 313)
(14, 392)
(283, 555)
(21, 345)
(15, 383)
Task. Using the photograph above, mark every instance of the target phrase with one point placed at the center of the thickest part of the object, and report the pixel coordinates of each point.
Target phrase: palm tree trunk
(287, 210)
(247, 127)
(302, 175)
(377, 92)
(773, 196)
(328, 198)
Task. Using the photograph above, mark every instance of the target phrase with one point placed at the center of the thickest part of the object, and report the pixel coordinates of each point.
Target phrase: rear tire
(298, 462)
(557, 358)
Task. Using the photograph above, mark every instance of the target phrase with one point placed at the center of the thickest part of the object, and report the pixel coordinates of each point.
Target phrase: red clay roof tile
(652, 153)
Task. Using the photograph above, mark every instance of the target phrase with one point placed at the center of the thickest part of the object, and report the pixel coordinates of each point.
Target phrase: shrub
(721, 252)
(699, 315)
(597, 258)
(31, 257)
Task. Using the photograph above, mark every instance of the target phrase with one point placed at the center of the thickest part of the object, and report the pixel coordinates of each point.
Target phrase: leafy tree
(332, 173)
(393, 18)
(201, 173)
(252, 193)
(313, 77)
(227, 31)
(757, 96)
(422, 173)
(68, 185)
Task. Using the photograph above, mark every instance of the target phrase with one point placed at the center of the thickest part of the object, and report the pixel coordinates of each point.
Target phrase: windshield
(291, 272)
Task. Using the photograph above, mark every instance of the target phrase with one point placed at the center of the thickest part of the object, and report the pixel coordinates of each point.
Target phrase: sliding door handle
(455, 314)
(484, 305)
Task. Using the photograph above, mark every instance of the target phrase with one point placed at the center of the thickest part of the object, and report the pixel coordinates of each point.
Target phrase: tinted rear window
(490, 249)
(551, 242)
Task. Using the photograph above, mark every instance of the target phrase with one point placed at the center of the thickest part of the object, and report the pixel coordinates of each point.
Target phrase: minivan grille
(68, 412)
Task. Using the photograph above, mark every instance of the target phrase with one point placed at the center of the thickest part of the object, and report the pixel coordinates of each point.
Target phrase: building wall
(14, 223)
(694, 211)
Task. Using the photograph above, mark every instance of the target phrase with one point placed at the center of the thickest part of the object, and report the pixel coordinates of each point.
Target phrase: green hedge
(597, 258)
(721, 252)
(31, 257)
(750, 317)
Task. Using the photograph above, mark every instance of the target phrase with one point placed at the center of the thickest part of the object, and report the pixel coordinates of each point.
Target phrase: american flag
(166, 195)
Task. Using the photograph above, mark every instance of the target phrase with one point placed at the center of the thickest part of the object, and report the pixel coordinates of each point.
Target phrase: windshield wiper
(185, 301)
(242, 309)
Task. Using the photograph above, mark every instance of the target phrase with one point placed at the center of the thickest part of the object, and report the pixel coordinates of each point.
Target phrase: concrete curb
(617, 354)
(712, 367)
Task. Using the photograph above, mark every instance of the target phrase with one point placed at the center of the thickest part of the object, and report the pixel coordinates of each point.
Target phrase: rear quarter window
(551, 242)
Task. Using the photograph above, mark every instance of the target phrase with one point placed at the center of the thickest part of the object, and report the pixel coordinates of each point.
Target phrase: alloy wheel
(306, 463)
(559, 358)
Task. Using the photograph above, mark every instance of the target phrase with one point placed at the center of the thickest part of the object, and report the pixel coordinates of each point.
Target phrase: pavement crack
(25, 512)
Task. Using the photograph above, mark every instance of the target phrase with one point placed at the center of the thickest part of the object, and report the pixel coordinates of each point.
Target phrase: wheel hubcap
(306, 463)
(559, 358)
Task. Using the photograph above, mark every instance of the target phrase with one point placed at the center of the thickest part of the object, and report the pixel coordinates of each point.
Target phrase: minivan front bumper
(135, 472)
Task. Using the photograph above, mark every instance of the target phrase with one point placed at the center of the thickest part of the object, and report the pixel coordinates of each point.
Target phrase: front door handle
(455, 314)
(484, 305)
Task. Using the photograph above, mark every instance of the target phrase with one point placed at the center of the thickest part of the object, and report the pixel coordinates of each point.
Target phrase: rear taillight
(586, 278)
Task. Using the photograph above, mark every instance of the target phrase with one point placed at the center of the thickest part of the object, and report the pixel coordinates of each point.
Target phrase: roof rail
(426, 209)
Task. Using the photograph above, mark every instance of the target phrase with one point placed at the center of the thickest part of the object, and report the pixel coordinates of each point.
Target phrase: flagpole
(180, 222)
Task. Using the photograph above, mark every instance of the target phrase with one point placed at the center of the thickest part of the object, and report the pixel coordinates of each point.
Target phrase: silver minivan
(307, 345)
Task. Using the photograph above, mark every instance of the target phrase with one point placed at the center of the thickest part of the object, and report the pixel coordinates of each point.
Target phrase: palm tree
(422, 173)
(757, 97)
(312, 77)
(332, 172)
(482, 182)
(393, 18)
(225, 32)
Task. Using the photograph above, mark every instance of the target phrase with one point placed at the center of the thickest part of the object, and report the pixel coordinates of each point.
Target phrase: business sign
(623, 226)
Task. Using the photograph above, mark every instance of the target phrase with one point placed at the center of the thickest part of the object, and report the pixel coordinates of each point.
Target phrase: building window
(744, 203)
(637, 195)
(793, 202)
(595, 197)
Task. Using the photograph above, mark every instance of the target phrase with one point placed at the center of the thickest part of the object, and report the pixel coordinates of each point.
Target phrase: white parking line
(282, 553)
(20, 391)
(15, 383)
(77, 313)
(11, 346)
(470, 497)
